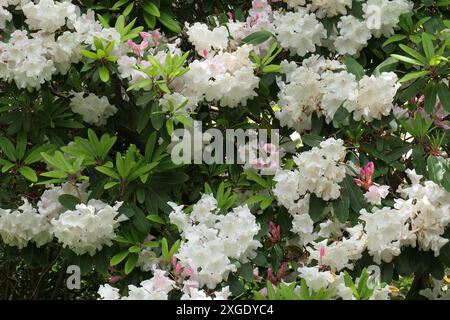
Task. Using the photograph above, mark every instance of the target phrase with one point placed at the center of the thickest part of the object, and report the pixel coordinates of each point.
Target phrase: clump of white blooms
(321, 86)
(155, 288)
(330, 8)
(419, 219)
(47, 15)
(211, 240)
(428, 207)
(319, 171)
(204, 39)
(382, 16)
(19, 227)
(227, 77)
(94, 110)
(369, 104)
(340, 254)
(49, 205)
(317, 279)
(89, 227)
(299, 32)
(301, 93)
(53, 42)
(5, 15)
(387, 231)
(159, 286)
(260, 18)
(353, 35)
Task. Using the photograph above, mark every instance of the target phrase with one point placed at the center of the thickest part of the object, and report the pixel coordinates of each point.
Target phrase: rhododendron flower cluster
(212, 239)
(89, 227)
(317, 87)
(348, 199)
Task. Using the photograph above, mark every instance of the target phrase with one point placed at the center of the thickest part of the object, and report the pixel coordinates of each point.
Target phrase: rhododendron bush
(351, 201)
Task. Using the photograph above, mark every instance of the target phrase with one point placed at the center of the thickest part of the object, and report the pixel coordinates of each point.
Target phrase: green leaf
(150, 20)
(252, 175)
(169, 22)
(446, 180)
(413, 75)
(118, 4)
(246, 272)
(103, 21)
(156, 117)
(236, 286)
(394, 38)
(436, 169)
(257, 37)
(312, 140)
(120, 24)
(407, 59)
(151, 8)
(357, 201)
(444, 96)
(388, 65)
(156, 218)
(354, 67)
(128, 9)
(21, 145)
(165, 248)
(103, 73)
(108, 171)
(28, 173)
(430, 98)
(69, 201)
(131, 263)
(427, 44)
(8, 149)
(110, 185)
(316, 207)
(341, 207)
(89, 54)
(413, 53)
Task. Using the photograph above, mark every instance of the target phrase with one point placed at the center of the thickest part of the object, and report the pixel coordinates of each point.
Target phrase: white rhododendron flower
(330, 8)
(227, 78)
(204, 39)
(49, 204)
(211, 240)
(48, 15)
(353, 35)
(382, 16)
(89, 227)
(19, 227)
(299, 32)
(387, 231)
(94, 110)
(376, 193)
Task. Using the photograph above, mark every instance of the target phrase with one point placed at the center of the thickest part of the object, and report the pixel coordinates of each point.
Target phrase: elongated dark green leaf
(169, 22)
(316, 207)
(152, 9)
(257, 37)
(341, 207)
(68, 201)
(131, 262)
(354, 67)
(444, 96)
(28, 173)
